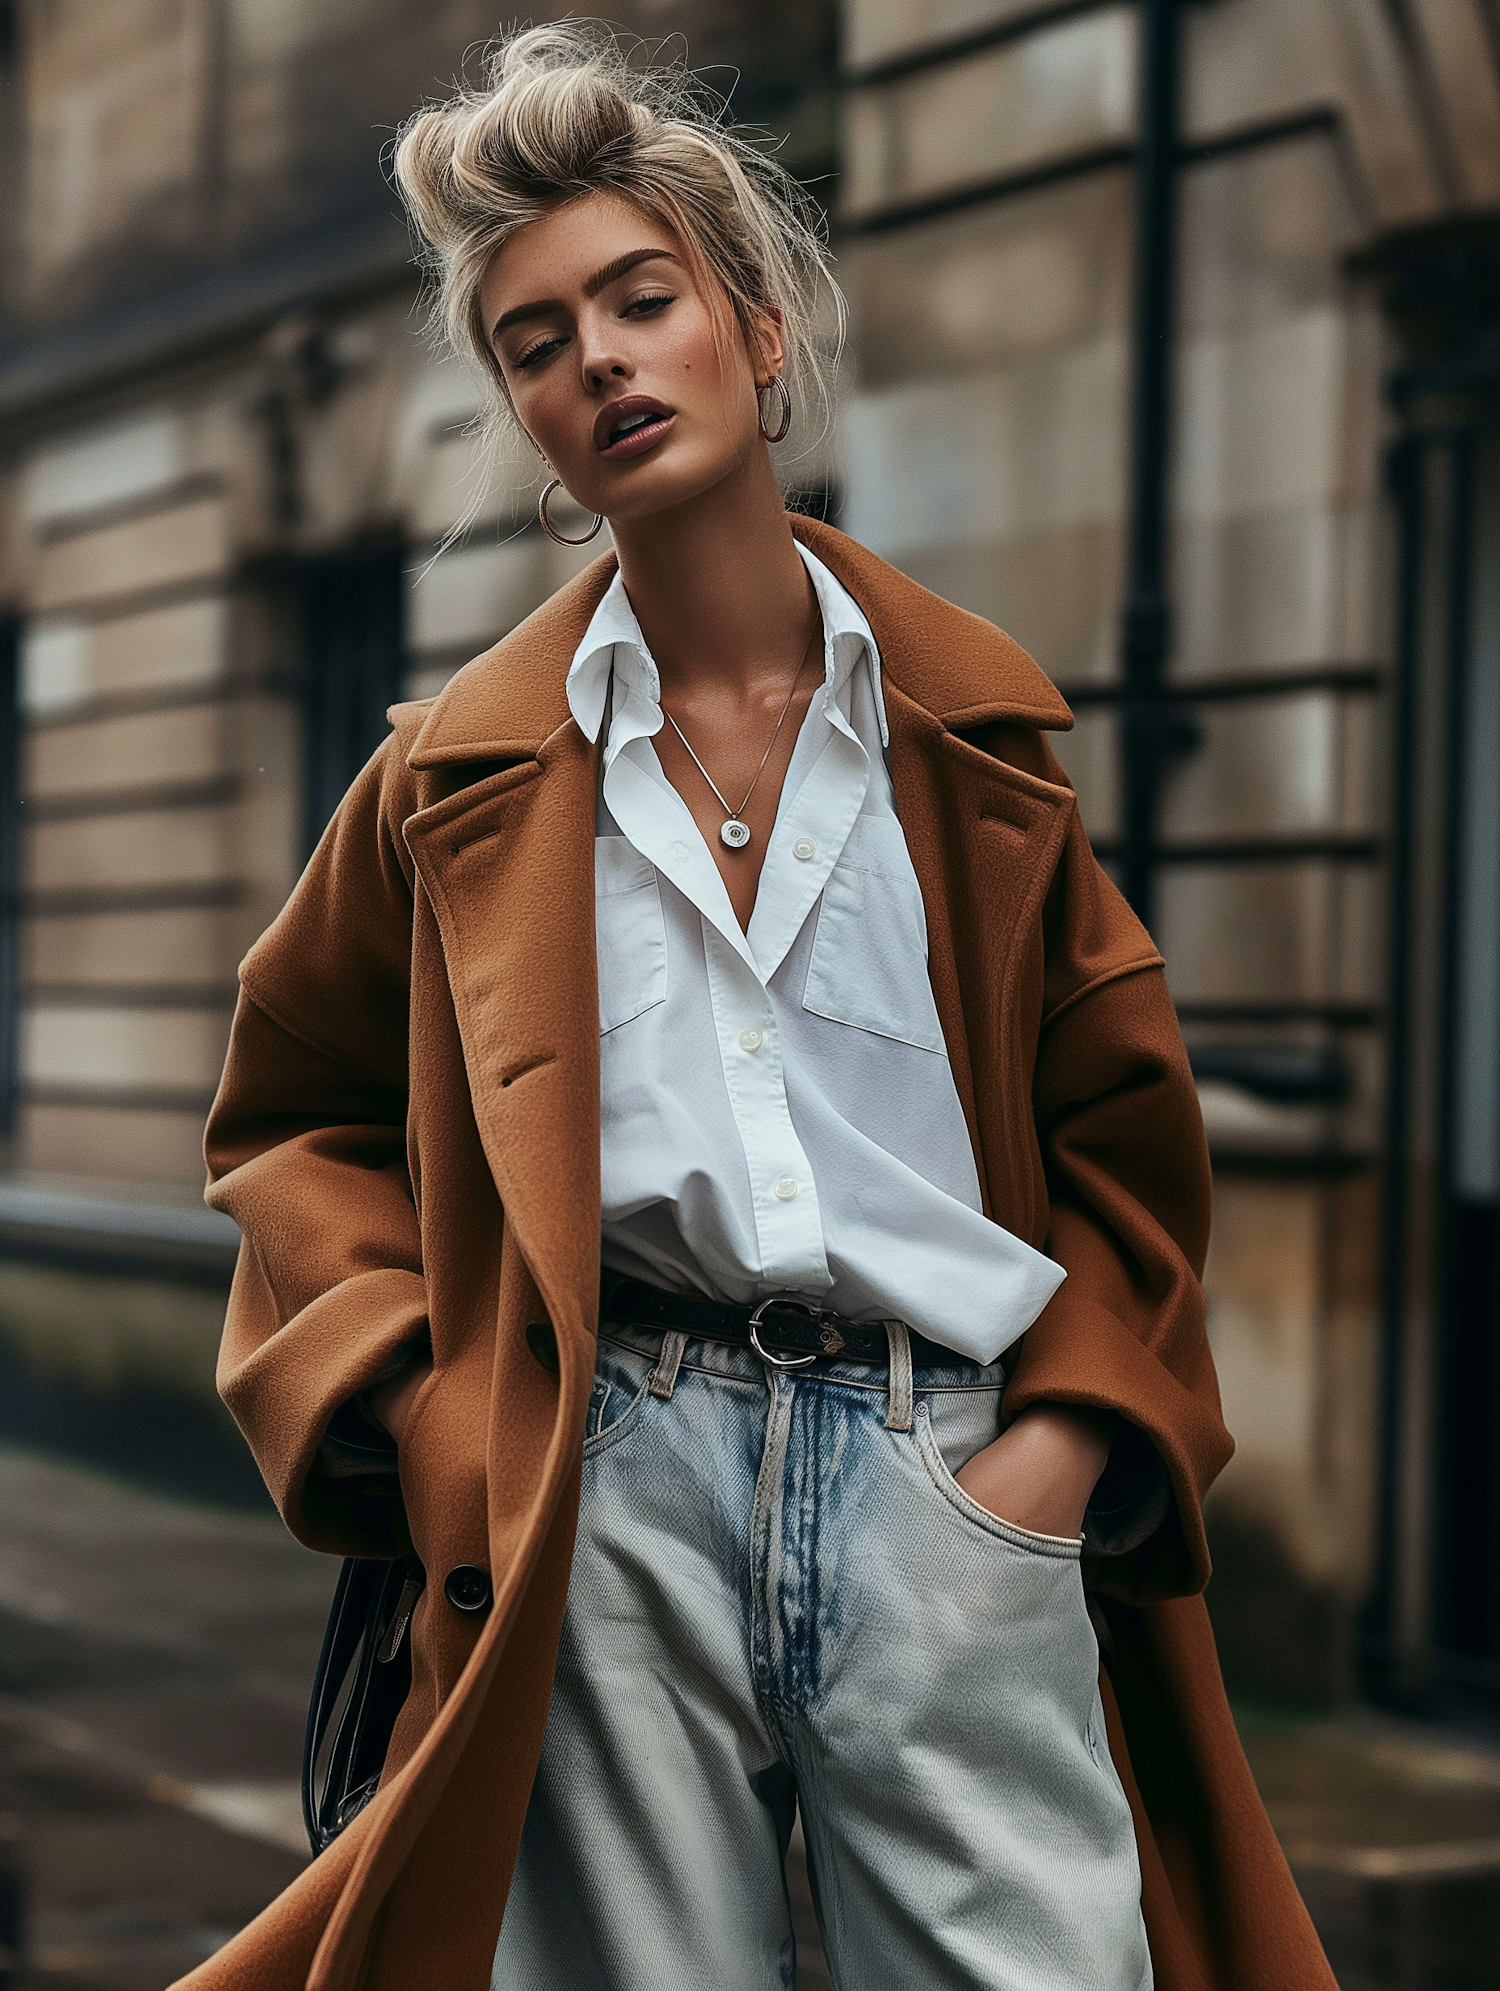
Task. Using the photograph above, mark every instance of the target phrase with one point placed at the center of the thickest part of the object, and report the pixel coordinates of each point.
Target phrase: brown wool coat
(408, 1132)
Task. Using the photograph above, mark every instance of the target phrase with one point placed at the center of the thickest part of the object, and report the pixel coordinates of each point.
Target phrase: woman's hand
(391, 1402)
(1040, 1472)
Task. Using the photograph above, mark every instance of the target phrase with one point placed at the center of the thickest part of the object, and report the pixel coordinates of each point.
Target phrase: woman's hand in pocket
(1041, 1470)
(391, 1402)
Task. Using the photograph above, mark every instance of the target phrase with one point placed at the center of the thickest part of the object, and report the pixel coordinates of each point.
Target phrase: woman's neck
(717, 584)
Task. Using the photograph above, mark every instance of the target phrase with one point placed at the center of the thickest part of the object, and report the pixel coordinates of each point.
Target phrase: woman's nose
(598, 368)
(601, 357)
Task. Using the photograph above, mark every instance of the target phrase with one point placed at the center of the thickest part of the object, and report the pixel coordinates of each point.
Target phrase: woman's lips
(631, 426)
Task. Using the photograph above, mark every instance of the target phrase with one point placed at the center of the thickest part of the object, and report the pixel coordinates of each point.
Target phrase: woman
(731, 922)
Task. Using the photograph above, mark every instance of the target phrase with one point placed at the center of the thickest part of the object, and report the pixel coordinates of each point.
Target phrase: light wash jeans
(781, 1597)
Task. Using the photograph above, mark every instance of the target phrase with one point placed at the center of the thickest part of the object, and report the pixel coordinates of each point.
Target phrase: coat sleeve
(1128, 1179)
(306, 1150)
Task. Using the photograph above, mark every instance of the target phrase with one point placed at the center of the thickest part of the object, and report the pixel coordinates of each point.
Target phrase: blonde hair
(563, 112)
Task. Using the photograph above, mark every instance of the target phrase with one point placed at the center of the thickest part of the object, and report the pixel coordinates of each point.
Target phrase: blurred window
(351, 607)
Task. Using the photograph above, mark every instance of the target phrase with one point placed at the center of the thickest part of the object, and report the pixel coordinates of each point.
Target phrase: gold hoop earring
(779, 387)
(551, 530)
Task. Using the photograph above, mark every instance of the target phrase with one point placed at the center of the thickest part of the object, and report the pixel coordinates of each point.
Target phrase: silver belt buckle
(792, 1303)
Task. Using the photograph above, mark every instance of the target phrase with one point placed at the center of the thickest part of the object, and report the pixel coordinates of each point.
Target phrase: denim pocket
(597, 1416)
(1059, 1548)
(622, 1384)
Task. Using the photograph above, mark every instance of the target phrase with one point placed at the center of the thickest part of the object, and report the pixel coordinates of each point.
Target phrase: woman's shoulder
(963, 669)
(510, 698)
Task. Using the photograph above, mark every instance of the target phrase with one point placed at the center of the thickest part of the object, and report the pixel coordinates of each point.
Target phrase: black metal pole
(10, 871)
(1379, 1659)
(1145, 622)
(1459, 1518)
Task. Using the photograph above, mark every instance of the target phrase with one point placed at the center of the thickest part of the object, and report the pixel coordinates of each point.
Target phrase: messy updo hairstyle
(566, 110)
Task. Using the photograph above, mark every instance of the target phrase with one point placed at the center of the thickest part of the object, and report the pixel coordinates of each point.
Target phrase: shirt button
(804, 848)
(784, 1188)
(750, 1040)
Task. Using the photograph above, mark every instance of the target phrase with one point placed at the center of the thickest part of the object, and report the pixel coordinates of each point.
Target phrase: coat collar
(961, 669)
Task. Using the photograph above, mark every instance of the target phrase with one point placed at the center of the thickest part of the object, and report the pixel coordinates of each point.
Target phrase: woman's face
(608, 348)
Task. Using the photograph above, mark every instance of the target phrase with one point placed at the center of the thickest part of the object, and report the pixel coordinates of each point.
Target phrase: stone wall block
(142, 849)
(1301, 932)
(136, 750)
(178, 945)
(164, 549)
(144, 1146)
(69, 659)
(877, 30)
(1057, 91)
(115, 1047)
(1462, 53)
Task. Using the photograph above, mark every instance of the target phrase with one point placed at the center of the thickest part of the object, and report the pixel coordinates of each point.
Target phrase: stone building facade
(232, 469)
(1315, 847)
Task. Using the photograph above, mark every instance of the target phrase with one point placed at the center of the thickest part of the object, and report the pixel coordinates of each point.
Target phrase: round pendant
(735, 833)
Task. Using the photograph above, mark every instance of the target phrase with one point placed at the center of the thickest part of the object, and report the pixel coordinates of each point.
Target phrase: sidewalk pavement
(155, 1659)
(154, 1662)
(1393, 1830)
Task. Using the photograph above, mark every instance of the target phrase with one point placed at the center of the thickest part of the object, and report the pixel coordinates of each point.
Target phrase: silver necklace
(734, 832)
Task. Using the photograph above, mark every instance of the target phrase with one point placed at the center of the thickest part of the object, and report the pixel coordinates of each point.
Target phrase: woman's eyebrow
(621, 266)
(600, 280)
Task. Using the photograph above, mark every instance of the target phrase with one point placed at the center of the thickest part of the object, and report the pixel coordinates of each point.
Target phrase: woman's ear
(767, 347)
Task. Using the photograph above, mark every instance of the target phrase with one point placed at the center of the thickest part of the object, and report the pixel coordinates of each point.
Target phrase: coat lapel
(507, 861)
(984, 840)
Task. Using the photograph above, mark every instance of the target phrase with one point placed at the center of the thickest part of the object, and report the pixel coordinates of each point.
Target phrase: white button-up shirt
(779, 1114)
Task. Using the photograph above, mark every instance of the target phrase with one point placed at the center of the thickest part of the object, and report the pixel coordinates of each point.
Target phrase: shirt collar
(613, 643)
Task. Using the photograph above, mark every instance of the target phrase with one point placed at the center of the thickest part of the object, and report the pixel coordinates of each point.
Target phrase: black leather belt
(786, 1331)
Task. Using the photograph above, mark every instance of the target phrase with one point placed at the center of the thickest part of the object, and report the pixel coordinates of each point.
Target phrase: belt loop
(668, 1362)
(898, 1414)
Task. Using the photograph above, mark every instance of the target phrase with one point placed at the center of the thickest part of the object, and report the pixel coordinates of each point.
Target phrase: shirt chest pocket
(868, 966)
(631, 931)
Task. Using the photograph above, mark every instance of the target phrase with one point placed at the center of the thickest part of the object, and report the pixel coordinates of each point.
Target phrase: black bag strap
(363, 1677)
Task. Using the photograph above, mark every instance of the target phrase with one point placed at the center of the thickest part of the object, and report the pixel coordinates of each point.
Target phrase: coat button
(467, 1588)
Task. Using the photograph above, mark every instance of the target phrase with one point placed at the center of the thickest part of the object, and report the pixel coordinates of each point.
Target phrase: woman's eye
(643, 307)
(530, 355)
